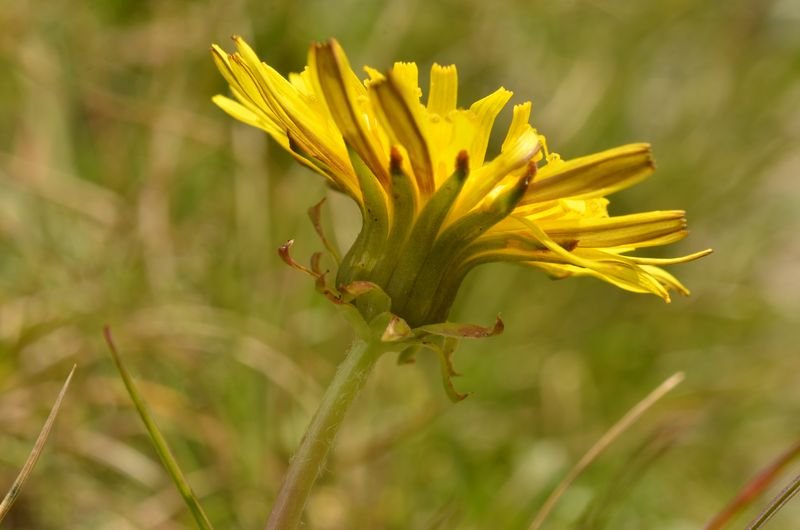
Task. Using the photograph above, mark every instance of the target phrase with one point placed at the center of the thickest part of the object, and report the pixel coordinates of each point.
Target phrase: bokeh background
(127, 198)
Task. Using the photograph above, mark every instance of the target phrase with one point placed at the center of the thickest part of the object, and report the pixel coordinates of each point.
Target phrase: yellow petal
(374, 75)
(404, 128)
(346, 99)
(667, 279)
(245, 86)
(592, 176)
(238, 111)
(519, 124)
(633, 230)
(613, 268)
(257, 85)
(671, 261)
(485, 180)
(645, 285)
(443, 92)
(406, 77)
(482, 114)
(221, 61)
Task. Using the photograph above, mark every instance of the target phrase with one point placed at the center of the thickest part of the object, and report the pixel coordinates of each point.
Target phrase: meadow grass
(128, 199)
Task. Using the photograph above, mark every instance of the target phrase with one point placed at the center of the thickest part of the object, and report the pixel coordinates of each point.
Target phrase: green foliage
(127, 198)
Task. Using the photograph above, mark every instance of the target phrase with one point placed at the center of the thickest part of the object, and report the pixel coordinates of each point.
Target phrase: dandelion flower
(434, 203)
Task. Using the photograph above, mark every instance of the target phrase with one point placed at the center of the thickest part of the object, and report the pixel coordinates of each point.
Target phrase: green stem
(308, 461)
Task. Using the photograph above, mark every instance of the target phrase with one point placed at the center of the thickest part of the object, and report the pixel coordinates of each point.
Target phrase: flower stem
(309, 459)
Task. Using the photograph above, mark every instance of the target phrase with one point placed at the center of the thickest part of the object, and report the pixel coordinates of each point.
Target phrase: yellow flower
(434, 205)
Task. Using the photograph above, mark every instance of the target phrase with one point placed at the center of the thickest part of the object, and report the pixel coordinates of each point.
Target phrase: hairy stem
(309, 459)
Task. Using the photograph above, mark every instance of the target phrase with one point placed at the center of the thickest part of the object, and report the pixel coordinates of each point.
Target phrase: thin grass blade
(754, 488)
(777, 503)
(158, 440)
(616, 489)
(602, 444)
(27, 468)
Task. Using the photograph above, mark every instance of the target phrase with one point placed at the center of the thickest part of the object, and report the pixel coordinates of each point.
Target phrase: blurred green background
(127, 198)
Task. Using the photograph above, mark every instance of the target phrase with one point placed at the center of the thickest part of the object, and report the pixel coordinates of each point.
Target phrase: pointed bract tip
(283, 250)
(499, 325)
(462, 161)
(525, 181)
(570, 245)
(511, 196)
(395, 160)
(532, 170)
(293, 145)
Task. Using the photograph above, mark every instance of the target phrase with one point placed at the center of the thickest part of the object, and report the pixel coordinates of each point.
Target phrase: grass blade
(27, 468)
(777, 503)
(754, 488)
(158, 440)
(602, 444)
(600, 511)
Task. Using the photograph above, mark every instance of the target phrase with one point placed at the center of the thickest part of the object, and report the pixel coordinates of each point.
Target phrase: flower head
(434, 204)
